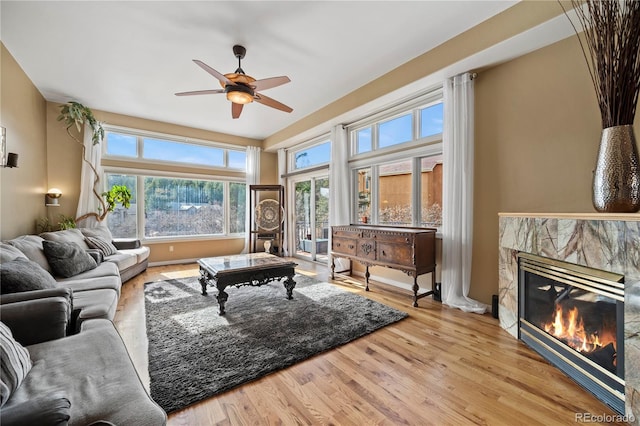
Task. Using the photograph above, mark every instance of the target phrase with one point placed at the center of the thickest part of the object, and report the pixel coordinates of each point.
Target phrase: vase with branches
(610, 44)
(75, 116)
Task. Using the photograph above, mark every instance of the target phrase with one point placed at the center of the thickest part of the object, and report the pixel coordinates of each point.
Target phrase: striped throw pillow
(104, 246)
(15, 364)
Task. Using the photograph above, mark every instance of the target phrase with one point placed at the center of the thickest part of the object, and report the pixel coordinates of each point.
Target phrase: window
(166, 204)
(121, 145)
(178, 207)
(164, 149)
(157, 149)
(315, 155)
(122, 222)
(396, 131)
(396, 163)
(431, 120)
(364, 140)
(394, 184)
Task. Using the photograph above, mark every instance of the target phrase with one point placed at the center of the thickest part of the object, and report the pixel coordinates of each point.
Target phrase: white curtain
(457, 217)
(339, 199)
(88, 203)
(253, 178)
(282, 169)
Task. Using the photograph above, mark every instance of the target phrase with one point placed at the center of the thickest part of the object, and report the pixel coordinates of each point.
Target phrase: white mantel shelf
(577, 216)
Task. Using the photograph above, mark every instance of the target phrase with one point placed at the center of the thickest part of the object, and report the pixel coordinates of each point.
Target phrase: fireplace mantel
(610, 242)
(631, 217)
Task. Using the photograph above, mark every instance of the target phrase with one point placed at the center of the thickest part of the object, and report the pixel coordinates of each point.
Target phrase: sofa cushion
(94, 370)
(15, 364)
(141, 253)
(9, 252)
(122, 259)
(105, 269)
(67, 259)
(24, 275)
(98, 231)
(101, 244)
(31, 247)
(66, 236)
(95, 304)
(93, 283)
(43, 410)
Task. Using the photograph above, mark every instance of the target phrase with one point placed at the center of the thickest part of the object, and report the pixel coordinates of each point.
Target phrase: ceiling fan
(241, 88)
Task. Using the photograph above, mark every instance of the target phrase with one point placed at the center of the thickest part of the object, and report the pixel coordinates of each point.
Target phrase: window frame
(141, 167)
(140, 159)
(311, 143)
(141, 174)
(415, 150)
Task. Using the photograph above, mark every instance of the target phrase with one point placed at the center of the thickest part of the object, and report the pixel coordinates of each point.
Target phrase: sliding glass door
(311, 212)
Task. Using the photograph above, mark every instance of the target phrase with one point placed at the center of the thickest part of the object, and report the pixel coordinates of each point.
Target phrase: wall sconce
(52, 199)
(8, 159)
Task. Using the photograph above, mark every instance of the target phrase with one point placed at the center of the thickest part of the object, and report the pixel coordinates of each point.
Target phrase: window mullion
(375, 193)
(416, 192)
(140, 206)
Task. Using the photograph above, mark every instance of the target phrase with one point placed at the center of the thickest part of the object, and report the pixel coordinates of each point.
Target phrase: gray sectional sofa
(79, 372)
(96, 291)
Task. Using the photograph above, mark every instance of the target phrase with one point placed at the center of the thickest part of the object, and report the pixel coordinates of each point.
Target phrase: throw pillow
(15, 364)
(24, 275)
(101, 244)
(9, 252)
(98, 231)
(67, 259)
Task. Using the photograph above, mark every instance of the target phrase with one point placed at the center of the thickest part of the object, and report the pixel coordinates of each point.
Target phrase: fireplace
(573, 316)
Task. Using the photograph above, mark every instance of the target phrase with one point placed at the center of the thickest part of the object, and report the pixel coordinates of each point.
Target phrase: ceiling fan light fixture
(239, 94)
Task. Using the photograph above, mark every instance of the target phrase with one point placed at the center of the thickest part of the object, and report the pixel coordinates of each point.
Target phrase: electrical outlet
(170, 248)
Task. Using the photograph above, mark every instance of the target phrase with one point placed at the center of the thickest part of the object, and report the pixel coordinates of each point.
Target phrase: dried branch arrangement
(612, 38)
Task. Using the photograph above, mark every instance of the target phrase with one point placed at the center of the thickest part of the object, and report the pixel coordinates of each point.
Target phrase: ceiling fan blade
(236, 109)
(213, 72)
(200, 92)
(265, 100)
(268, 83)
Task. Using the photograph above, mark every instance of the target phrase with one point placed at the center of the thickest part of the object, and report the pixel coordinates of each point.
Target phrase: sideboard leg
(415, 290)
(333, 268)
(366, 278)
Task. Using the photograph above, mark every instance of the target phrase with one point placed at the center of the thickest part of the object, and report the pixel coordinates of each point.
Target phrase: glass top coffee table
(254, 269)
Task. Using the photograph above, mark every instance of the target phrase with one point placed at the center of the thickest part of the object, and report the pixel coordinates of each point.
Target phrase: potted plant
(75, 115)
(611, 49)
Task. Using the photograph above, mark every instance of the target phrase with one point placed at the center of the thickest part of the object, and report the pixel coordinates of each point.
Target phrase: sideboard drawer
(344, 246)
(395, 239)
(366, 249)
(398, 254)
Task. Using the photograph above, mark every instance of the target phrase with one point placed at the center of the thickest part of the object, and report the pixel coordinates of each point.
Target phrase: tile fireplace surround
(609, 242)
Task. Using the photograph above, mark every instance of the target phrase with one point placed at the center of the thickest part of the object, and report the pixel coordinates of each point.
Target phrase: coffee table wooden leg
(289, 284)
(222, 299)
(203, 282)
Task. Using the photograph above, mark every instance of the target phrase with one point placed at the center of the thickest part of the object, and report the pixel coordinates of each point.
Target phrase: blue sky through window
(121, 145)
(156, 149)
(319, 154)
(396, 131)
(431, 120)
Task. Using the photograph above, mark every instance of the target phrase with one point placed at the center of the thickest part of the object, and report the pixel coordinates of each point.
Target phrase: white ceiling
(131, 57)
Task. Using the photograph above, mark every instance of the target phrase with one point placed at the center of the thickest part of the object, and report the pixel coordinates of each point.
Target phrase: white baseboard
(174, 262)
(391, 282)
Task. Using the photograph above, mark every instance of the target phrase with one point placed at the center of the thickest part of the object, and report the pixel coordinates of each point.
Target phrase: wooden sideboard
(411, 250)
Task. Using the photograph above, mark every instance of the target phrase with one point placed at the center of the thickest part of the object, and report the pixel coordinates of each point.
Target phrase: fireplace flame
(569, 327)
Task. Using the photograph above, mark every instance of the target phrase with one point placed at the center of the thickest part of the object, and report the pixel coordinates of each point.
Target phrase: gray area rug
(194, 353)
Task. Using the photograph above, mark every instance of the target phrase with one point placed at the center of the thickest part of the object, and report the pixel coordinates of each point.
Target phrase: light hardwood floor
(439, 366)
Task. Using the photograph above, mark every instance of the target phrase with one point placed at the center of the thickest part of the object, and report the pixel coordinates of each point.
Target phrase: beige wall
(23, 114)
(536, 141)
